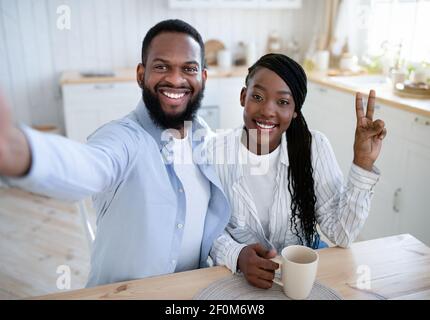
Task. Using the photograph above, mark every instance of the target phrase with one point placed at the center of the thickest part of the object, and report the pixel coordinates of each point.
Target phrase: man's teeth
(172, 95)
(265, 126)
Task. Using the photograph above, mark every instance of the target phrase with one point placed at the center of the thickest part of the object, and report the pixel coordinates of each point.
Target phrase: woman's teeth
(265, 126)
(172, 95)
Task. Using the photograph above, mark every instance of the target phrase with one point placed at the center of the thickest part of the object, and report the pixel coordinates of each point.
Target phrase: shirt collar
(161, 136)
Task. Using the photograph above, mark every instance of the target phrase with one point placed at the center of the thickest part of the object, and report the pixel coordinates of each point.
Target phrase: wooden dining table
(395, 267)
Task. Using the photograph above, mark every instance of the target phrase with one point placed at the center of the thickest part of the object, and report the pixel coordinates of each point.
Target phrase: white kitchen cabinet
(88, 106)
(401, 197)
(80, 124)
(384, 216)
(224, 92)
(400, 203)
(211, 115)
(414, 195)
(231, 110)
(333, 113)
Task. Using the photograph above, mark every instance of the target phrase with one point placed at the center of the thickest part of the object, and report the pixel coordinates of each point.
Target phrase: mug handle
(278, 260)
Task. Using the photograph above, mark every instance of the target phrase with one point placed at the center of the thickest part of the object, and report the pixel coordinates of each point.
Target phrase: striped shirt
(341, 207)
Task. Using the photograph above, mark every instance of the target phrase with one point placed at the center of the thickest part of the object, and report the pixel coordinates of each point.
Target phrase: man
(154, 216)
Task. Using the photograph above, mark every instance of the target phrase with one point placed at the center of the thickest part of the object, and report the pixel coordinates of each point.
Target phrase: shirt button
(173, 261)
(180, 225)
(181, 190)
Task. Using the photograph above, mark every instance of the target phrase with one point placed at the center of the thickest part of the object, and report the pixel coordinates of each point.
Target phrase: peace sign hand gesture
(368, 134)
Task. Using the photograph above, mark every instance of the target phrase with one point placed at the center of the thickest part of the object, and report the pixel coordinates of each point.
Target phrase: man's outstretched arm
(61, 168)
(15, 155)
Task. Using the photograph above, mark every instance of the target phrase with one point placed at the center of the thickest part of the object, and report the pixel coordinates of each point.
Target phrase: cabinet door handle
(103, 86)
(396, 200)
(422, 121)
(322, 90)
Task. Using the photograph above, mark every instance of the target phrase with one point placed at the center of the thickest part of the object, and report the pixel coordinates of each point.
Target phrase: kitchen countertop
(384, 94)
(129, 74)
(398, 268)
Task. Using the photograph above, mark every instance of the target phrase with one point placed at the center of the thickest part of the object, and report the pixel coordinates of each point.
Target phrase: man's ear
(204, 75)
(140, 75)
(242, 96)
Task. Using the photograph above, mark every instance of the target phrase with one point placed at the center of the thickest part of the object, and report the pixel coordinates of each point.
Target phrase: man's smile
(174, 96)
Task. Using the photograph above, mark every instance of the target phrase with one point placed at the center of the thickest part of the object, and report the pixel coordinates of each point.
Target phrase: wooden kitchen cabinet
(400, 200)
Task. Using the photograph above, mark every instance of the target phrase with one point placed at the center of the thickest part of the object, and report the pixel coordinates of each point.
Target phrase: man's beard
(165, 121)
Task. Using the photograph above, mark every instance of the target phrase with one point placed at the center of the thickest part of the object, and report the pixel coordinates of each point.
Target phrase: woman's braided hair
(299, 141)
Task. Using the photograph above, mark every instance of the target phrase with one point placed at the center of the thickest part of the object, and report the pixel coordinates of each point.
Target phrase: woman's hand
(254, 262)
(368, 134)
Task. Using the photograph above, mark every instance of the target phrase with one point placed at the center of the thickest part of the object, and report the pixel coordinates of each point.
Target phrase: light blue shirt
(140, 202)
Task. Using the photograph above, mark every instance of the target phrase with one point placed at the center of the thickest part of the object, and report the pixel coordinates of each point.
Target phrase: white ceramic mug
(298, 266)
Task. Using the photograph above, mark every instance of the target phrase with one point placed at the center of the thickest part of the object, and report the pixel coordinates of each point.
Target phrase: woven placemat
(235, 287)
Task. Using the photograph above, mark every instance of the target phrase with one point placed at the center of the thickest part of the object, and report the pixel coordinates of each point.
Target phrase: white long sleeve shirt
(341, 207)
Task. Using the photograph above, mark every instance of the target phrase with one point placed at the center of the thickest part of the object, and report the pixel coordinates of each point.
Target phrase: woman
(282, 179)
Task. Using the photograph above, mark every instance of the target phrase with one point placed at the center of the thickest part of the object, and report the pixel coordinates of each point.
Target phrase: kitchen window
(400, 26)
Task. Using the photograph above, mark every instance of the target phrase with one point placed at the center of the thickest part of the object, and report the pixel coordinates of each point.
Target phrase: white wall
(108, 34)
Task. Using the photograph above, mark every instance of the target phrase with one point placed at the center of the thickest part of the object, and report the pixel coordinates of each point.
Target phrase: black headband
(289, 71)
